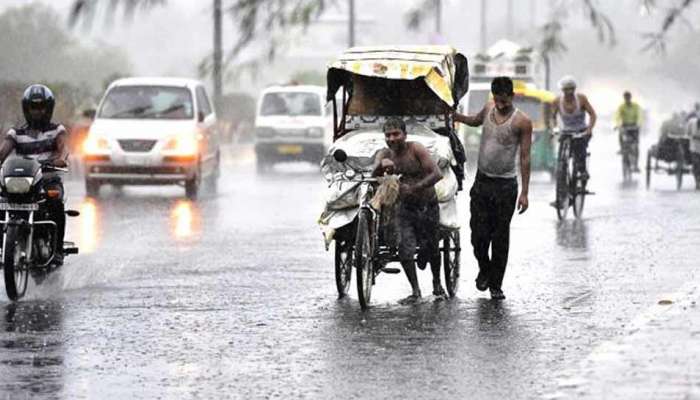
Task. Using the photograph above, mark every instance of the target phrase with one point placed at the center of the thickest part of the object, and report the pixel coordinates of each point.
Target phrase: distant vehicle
(292, 123)
(153, 131)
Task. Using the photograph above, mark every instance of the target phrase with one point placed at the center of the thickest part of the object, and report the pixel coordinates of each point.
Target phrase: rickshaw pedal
(389, 270)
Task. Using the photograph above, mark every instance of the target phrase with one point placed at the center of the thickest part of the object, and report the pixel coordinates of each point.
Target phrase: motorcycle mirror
(340, 155)
(72, 213)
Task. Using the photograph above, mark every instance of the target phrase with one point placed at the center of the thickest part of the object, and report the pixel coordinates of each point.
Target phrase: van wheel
(92, 188)
(262, 165)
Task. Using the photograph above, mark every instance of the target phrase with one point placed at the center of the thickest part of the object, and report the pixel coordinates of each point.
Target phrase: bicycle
(629, 150)
(570, 182)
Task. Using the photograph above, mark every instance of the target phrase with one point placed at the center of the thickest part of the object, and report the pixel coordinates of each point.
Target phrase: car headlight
(18, 184)
(314, 132)
(95, 144)
(182, 145)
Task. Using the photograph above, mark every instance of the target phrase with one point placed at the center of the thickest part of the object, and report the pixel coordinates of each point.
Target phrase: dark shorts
(419, 226)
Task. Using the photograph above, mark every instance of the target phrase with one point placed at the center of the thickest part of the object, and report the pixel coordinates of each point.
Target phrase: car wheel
(92, 188)
(192, 185)
(213, 180)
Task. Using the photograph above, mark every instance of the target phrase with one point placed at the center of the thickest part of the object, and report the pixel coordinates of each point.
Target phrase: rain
(237, 213)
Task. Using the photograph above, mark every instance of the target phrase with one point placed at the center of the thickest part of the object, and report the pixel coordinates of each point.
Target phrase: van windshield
(291, 103)
(147, 102)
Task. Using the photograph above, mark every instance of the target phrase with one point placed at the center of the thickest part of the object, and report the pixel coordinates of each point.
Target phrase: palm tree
(253, 19)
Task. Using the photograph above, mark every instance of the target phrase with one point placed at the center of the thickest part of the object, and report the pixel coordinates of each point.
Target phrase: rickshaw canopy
(443, 70)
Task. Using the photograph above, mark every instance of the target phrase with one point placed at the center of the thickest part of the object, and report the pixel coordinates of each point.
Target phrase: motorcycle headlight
(315, 132)
(18, 184)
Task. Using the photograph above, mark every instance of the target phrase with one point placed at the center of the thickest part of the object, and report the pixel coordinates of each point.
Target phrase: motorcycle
(28, 233)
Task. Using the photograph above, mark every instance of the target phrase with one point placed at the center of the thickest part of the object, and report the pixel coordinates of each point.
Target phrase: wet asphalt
(233, 296)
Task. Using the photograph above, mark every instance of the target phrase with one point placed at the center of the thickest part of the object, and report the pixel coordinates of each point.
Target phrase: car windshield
(290, 103)
(148, 102)
(531, 107)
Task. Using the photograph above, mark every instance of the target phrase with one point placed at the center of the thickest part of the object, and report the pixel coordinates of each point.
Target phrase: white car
(292, 123)
(153, 131)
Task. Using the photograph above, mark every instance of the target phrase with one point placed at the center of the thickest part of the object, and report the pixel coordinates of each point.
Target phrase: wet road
(233, 296)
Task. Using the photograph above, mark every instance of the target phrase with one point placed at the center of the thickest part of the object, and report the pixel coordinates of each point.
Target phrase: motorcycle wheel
(15, 267)
(362, 258)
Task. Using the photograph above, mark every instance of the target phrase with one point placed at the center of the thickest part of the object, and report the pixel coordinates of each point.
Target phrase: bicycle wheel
(579, 189)
(562, 184)
(14, 264)
(451, 252)
(343, 266)
(362, 258)
(626, 165)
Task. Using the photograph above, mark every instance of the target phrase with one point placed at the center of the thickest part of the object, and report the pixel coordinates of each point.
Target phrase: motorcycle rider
(629, 117)
(572, 108)
(44, 141)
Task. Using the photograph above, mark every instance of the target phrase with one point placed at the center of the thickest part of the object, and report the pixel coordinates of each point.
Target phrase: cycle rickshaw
(366, 85)
(671, 156)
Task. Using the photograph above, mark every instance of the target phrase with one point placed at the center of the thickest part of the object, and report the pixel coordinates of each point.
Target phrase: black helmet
(37, 104)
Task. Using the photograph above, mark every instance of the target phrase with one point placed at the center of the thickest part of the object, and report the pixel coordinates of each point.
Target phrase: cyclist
(628, 117)
(572, 107)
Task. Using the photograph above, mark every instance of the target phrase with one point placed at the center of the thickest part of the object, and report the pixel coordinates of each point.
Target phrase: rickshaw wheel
(362, 258)
(343, 266)
(648, 169)
(451, 252)
(680, 166)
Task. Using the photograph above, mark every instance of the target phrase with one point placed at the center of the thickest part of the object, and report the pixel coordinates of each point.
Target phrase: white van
(153, 131)
(292, 123)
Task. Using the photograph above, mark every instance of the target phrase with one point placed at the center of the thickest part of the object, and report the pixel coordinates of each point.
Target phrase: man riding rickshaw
(393, 138)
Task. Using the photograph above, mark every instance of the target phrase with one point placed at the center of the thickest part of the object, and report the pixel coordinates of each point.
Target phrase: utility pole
(483, 26)
(533, 13)
(351, 23)
(218, 55)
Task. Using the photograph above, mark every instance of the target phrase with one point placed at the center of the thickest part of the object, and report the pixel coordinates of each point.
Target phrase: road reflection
(185, 220)
(572, 234)
(32, 352)
(89, 226)
(432, 344)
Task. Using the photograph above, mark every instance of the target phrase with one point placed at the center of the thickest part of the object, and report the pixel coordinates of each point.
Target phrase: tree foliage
(253, 19)
(38, 47)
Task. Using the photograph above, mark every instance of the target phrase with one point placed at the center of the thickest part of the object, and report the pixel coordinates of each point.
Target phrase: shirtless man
(419, 214)
(495, 191)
